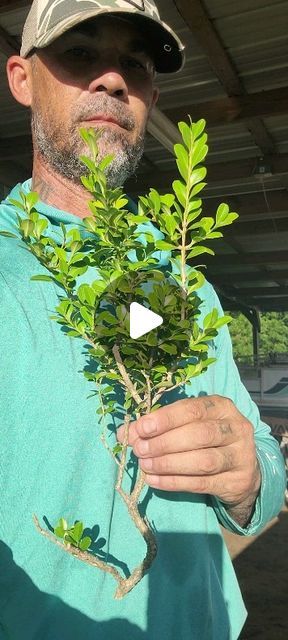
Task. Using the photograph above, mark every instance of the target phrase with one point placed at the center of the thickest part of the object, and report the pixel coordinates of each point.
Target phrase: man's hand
(200, 445)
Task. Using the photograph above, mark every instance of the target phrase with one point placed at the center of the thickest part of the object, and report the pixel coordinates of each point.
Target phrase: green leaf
(155, 199)
(230, 219)
(105, 162)
(63, 524)
(160, 368)
(8, 234)
(32, 198)
(170, 224)
(168, 348)
(186, 133)
(42, 277)
(27, 228)
(198, 187)
(85, 543)
(106, 316)
(224, 217)
(199, 152)
(77, 531)
(162, 245)
(181, 191)
(17, 204)
(87, 316)
(198, 128)
(120, 203)
(197, 176)
(86, 294)
(90, 223)
(183, 168)
(117, 449)
(152, 339)
(197, 251)
(210, 318)
(168, 200)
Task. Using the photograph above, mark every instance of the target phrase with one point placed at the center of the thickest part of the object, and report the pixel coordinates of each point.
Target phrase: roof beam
(249, 276)
(252, 292)
(199, 23)
(11, 173)
(248, 258)
(234, 109)
(10, 5)
(9, 45)
(15, 146)
(261, 304)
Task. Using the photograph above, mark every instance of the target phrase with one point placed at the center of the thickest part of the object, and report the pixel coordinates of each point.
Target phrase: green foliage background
(273, 335)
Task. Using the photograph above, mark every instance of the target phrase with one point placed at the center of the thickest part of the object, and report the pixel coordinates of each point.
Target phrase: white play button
(142, 320)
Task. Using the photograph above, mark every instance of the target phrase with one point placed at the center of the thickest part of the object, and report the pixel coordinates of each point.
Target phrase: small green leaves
(72, 535)
(224, 217)
(104, 244)
(117, 449)
(117, 249)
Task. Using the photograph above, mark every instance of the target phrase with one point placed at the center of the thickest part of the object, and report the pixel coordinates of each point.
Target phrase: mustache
(111, 107)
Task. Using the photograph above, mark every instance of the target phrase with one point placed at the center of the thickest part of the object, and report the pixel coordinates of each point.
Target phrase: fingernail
(149, 426)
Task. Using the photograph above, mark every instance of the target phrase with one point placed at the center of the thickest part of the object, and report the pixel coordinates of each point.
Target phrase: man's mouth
(103, 120)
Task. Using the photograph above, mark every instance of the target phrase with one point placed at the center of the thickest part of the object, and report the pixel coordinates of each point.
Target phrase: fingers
(228, 487)
(179, 413)
(211, 461)
(210, 485)
(192, 436)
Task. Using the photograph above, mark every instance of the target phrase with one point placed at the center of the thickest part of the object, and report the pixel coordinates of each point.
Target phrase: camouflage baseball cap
(49, 19)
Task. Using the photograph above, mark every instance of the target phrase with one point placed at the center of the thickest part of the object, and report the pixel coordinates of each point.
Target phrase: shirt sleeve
(271, 496)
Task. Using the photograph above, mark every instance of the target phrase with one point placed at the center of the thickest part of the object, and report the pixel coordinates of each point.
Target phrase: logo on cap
(137, 5)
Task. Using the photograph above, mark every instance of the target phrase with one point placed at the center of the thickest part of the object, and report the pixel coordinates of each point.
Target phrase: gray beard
(62, 151)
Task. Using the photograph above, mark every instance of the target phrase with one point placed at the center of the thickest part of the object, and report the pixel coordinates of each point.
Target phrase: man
(208, 458)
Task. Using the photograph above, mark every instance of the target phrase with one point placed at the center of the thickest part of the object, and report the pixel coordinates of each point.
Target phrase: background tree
(273, 335)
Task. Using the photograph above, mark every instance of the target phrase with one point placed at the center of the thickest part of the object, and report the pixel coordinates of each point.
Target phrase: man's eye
(80, 53)
(133, 63)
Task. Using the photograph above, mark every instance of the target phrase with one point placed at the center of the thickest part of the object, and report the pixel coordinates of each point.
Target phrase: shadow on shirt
(185, 598)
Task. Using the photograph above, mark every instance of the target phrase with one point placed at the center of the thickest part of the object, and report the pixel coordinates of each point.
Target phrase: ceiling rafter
(235, 109)
(197, 19)
(9, 45)
(10, 5)
(254, 292)
(251, 276)
(248, 258)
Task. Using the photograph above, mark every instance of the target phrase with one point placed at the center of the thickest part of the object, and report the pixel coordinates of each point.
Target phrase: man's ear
(19, 79)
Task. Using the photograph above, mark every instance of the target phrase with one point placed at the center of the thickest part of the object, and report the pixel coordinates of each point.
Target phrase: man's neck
(58, 191)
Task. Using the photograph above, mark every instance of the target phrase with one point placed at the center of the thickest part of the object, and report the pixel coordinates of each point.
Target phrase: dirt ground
(261, 565)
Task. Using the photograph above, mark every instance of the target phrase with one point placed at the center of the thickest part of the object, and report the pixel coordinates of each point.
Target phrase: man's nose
(112, 82)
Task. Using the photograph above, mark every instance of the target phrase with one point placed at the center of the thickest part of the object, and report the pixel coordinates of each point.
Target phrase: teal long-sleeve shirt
(53, 463)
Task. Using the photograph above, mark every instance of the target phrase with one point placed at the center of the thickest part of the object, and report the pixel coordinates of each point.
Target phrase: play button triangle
(142, 320)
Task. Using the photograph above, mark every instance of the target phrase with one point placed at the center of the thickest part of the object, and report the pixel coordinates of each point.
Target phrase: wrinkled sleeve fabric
(271, 496)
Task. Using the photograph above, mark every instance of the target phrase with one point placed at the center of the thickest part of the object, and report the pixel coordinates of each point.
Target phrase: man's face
(99, 75)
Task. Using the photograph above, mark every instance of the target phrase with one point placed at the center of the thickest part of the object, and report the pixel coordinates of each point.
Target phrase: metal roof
(235, 76)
